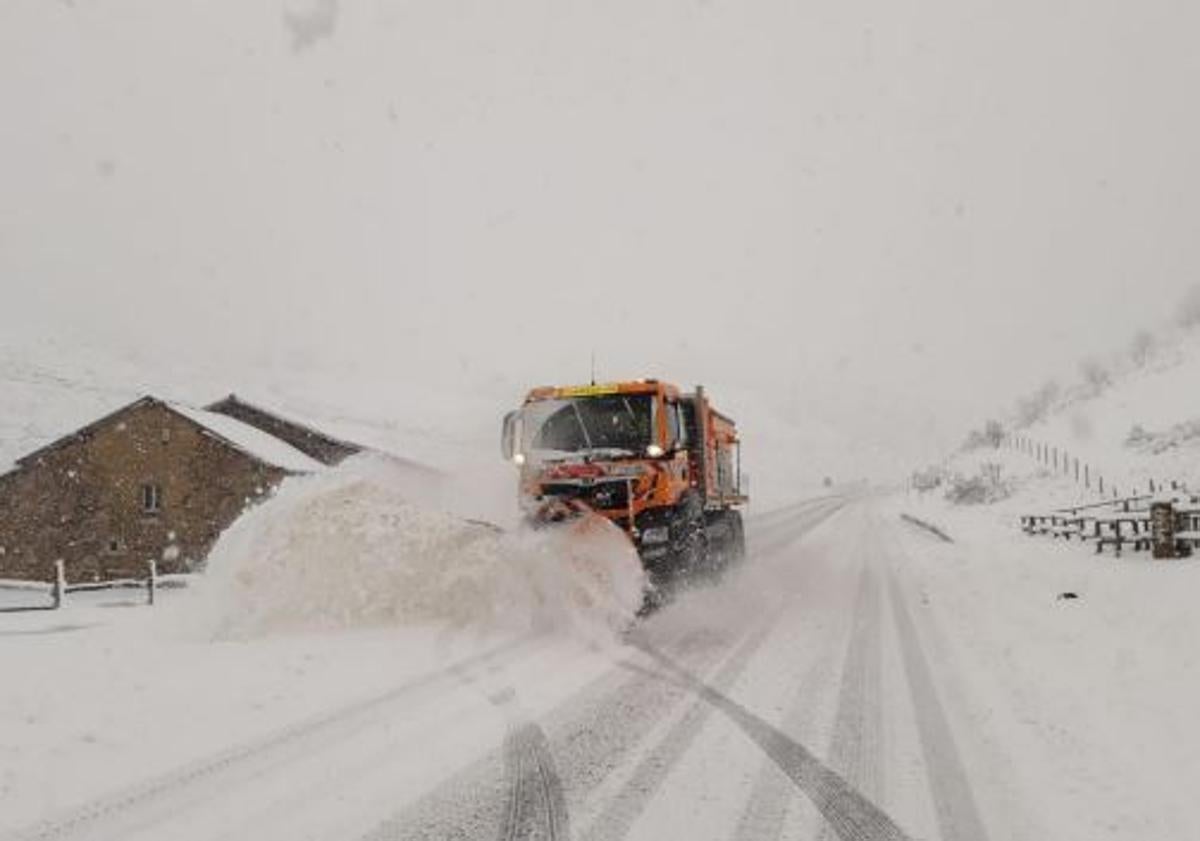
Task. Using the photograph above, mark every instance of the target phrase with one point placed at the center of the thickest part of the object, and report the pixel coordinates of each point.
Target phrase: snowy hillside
(1130, 422)
(1145, 425)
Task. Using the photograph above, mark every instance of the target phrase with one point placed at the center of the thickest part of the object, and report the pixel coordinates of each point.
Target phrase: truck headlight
(657, 534)
(518, 459)
(654, 451)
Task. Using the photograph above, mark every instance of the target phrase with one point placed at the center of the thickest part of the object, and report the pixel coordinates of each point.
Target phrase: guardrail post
(152, 581)
(59, 591)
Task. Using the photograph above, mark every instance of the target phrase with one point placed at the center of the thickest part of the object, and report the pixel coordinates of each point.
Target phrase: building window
(114, 546)
(151, 498)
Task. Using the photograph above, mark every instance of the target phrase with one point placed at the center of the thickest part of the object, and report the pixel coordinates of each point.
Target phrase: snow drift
(348, 549)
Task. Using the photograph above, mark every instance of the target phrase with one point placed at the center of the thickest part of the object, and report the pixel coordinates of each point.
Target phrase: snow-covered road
(806, 697)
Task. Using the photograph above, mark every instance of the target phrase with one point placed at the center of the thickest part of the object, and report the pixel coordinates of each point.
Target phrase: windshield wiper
(583, 426)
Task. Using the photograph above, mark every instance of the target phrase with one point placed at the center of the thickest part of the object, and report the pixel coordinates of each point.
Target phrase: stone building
(152, 480)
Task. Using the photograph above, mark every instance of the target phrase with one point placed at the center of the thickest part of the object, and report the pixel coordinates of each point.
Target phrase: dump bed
(715, 451)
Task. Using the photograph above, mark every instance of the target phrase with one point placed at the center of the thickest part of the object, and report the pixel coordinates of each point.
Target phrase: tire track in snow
(769, 799)
(852, 816)
(537, 807)
(854, 749)
(588, 734)
(159, 799)
(766, 806)
(624, 808)
(767, 539)
(954, 803)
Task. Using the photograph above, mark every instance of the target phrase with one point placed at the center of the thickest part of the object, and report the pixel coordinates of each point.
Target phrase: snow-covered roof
(359, 434)
(254, 442)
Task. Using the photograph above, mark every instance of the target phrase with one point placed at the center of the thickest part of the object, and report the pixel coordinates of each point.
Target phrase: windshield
(608, 424)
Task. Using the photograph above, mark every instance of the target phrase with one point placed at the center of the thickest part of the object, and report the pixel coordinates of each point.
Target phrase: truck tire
(689, 539)
(736, 549)
(727, 540)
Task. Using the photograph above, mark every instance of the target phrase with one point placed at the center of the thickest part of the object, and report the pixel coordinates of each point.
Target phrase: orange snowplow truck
(662, 465)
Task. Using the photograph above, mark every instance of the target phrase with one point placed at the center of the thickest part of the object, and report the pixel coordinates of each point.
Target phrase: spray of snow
(348, 549)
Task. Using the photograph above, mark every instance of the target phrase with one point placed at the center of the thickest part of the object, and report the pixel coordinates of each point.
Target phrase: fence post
(1163, 523)
(152, 581)
(1100, 479)
(59, 591)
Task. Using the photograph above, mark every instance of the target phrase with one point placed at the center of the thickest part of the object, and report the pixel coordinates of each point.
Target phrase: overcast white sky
(884, 214)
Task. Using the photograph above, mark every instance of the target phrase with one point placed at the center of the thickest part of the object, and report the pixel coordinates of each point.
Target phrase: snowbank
(347, 548)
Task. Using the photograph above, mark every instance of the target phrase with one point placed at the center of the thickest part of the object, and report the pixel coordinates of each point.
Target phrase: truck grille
(603, 496)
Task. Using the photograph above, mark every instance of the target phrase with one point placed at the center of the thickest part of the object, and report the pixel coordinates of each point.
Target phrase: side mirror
(508, 436)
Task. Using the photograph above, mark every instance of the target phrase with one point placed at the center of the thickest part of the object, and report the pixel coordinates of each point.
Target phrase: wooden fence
(58, 589)
(1122, 523)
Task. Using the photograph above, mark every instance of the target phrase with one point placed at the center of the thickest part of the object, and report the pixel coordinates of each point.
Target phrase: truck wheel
(689, 539)
(737, 537)
(727, 540)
